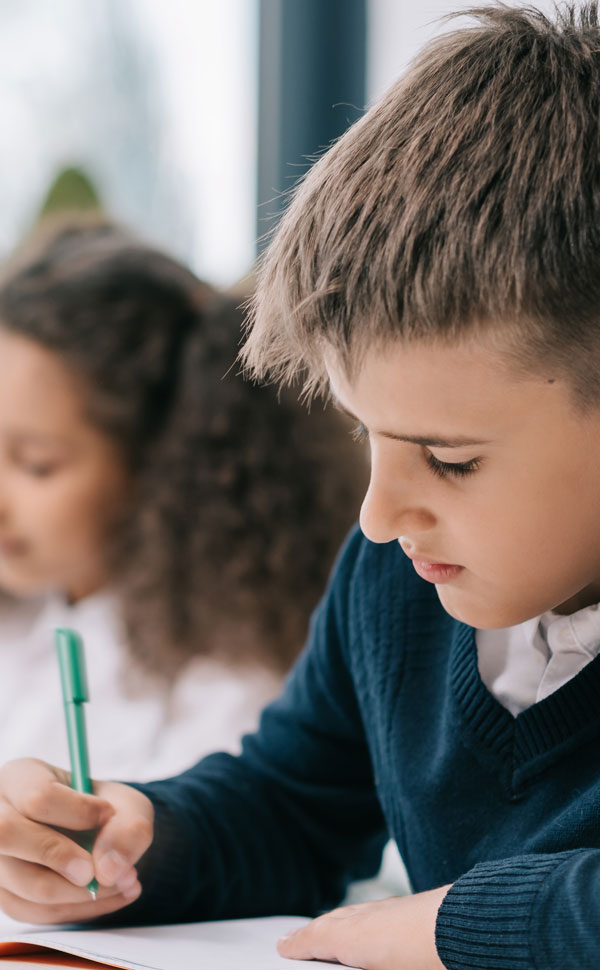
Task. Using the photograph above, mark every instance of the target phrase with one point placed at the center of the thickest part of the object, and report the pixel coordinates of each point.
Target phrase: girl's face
(476, 468)
(62, 481)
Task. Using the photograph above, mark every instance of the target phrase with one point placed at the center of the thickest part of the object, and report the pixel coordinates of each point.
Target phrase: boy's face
(516, 511)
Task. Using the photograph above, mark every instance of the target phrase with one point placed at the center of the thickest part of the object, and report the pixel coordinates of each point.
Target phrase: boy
(438, 271)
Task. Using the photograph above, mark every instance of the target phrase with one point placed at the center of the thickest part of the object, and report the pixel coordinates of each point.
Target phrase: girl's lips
(436, 572)
(12, 547)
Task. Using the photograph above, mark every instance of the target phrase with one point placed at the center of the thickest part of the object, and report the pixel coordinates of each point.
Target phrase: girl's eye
(38, 470)
(458, 469)
(359, 433)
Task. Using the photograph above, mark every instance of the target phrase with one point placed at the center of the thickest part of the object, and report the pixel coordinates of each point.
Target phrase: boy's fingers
(37, 884)
(124, 837)
(117, 850)
(31, 842)
(27, 912)
(340, 936)
(42, 793)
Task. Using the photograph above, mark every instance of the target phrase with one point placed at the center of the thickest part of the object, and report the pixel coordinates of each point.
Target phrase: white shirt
(138, 729)
(522, 664)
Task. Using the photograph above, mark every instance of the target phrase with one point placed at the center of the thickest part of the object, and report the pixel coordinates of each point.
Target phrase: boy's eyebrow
(428, 441)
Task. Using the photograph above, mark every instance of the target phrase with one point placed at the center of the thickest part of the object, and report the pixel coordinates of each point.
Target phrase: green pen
(71, 661)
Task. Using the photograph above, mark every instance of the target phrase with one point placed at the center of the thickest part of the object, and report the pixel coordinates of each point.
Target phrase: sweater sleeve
(536, 912)
(284, 826)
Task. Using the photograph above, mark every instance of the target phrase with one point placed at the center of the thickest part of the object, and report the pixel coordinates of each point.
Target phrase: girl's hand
(383, 935)
(43, 873)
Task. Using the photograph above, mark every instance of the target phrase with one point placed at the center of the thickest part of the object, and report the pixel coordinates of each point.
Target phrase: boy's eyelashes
(458, 468)
(442, 469)
(359, 433)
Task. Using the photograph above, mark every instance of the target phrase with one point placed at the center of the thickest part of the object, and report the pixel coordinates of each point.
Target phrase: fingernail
(132, 891)
(79, 871)
(126, 881)
(287, 936)
(110, 866)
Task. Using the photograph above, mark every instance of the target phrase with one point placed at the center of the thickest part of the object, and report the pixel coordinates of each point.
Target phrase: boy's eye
(459, 469)
(359, 433)
(441, 468)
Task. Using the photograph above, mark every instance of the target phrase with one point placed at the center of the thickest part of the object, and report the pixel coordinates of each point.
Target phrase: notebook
(244, 944)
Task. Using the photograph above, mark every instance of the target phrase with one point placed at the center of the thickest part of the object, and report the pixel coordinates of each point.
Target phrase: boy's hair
(240, 500)
(468, 197)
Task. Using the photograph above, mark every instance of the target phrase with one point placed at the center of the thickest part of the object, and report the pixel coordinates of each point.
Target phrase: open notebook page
(245, 944)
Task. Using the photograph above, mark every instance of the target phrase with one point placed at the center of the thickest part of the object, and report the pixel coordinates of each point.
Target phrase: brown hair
(240, 500)
(469, 196)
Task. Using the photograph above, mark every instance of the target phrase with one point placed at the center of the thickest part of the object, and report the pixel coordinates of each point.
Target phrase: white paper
(245, 944)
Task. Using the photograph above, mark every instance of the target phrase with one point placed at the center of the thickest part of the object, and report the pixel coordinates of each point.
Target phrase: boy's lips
(435, 572)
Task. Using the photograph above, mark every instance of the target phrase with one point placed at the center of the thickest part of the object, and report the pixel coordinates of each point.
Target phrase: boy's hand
(383, 935)
(43, 873)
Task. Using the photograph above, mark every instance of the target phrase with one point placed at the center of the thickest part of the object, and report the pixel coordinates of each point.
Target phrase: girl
(181, 519)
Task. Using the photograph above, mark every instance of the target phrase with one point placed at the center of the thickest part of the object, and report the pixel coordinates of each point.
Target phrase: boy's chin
(478, 614)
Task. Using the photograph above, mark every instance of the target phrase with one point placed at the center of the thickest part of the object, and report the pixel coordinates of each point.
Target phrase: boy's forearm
(529, 911)
(227, 845)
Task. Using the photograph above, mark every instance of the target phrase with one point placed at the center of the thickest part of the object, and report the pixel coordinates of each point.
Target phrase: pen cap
(71, 661)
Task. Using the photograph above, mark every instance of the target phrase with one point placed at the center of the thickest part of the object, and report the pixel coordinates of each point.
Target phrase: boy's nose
(385, 515)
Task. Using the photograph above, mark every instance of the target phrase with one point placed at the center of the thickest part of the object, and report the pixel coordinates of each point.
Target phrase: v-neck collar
(549, 727)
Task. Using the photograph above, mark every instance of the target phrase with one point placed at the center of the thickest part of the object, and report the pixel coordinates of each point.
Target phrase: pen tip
(93, 894)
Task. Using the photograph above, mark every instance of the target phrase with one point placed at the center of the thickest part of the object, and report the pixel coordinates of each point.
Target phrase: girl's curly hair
(240, 498)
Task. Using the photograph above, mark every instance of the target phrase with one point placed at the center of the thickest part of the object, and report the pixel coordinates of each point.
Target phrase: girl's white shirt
(138, 729)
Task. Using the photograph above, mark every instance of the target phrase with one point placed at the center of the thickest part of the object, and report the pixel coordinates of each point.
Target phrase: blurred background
(187, 119)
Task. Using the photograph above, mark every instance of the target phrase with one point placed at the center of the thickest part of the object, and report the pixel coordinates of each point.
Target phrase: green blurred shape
(72, 189)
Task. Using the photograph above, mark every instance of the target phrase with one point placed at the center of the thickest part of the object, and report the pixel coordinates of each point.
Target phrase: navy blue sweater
(384, 727)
